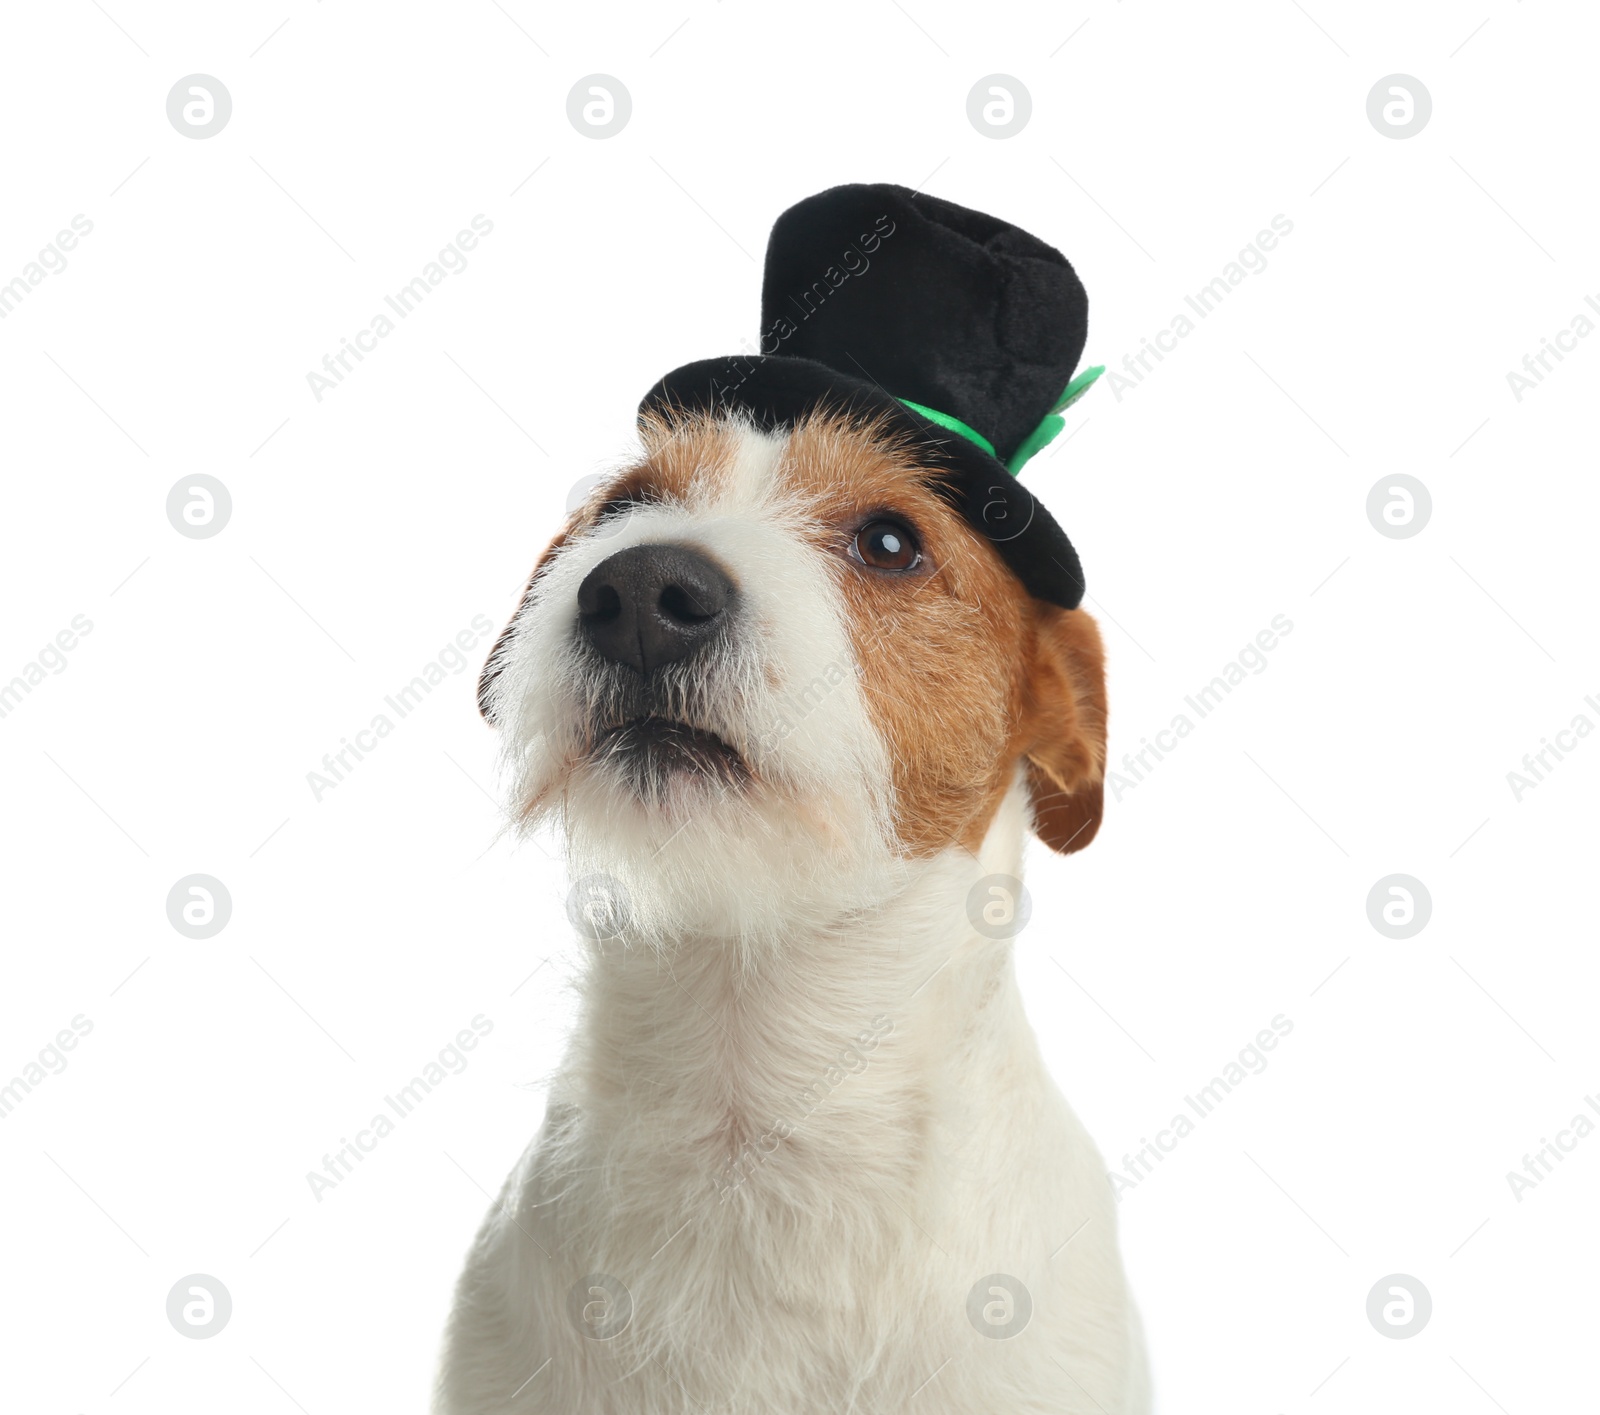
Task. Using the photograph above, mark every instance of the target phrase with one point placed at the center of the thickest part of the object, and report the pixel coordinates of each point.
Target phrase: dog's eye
(886, 545)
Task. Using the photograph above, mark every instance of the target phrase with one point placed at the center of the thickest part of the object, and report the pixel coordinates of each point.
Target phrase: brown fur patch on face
(686, 459)
(964, 673)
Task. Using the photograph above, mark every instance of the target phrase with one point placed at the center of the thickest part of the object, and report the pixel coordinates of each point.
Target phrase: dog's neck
(709, 1060)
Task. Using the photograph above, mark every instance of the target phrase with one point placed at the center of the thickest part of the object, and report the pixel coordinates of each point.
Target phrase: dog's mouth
(652, 751)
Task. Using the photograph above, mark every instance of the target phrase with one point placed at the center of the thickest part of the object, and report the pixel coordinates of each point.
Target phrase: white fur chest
(772, 1187)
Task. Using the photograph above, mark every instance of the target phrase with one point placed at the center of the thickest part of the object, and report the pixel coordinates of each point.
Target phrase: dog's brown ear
(496, 660)
(1066, 728)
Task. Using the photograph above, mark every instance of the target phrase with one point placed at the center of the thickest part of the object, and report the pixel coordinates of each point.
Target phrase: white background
(369, 528)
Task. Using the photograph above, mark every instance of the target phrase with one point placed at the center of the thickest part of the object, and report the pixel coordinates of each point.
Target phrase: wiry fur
(747, 864)
(803, 1112)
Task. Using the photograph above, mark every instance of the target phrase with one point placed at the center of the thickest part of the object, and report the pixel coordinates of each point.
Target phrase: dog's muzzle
(653, 615)
(651, 605)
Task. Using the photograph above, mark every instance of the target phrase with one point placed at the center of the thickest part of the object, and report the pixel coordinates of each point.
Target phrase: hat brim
(778, 392)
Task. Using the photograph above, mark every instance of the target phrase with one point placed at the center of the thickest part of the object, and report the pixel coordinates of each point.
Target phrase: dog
(795, 716)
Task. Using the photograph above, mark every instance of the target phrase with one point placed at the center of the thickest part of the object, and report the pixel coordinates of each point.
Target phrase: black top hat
(955, 328)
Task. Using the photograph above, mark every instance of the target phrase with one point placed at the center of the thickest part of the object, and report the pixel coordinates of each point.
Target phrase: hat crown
(947, 327)
(935, 303)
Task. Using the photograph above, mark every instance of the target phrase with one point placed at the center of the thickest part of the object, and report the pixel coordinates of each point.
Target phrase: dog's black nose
(653, 604)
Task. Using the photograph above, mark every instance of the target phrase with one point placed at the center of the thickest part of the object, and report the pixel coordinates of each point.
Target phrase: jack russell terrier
(795, 686)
